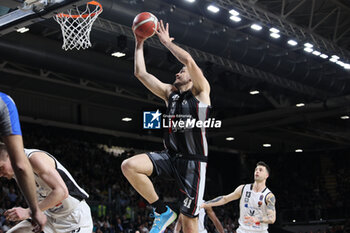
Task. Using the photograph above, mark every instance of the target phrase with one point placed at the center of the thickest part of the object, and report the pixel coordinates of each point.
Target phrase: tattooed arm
(222, 200)
(271, 212)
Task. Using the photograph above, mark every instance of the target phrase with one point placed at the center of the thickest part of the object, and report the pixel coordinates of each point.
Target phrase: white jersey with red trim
(253, 204)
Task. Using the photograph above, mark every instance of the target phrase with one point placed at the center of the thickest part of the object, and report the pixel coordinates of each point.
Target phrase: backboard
(16, 14)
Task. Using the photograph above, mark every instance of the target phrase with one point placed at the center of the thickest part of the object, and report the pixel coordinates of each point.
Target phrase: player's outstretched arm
(200, 83)
(44, 167)
(153, 84)
(222, 200)
(215, 220)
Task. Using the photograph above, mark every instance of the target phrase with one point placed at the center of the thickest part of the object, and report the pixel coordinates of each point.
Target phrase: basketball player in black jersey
(185, 155)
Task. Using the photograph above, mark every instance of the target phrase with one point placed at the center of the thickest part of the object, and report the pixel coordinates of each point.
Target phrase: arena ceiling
(235, 59)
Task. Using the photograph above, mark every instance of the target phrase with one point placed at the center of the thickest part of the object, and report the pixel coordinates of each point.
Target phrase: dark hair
(261, 163)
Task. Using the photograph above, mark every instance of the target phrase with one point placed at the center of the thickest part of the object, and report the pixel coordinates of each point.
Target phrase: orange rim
(61, 15)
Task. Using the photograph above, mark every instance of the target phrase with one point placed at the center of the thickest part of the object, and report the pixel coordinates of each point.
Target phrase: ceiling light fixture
(233, 12)
(22, 30)
(308, 49)
(292, 42)
(127, 119)
(317, 53)
(256, 27)
(275, 35)
(335, 57)
(235, 18)
(254, 92)
(213, 9)
(340, 63)
(308, 45)
(274, 30)
(118, 54)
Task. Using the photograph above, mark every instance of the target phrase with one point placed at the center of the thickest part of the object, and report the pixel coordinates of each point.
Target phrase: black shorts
(189, 175)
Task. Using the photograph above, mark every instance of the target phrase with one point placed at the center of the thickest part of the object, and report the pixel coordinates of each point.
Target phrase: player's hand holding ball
(163, 33)
(144, 26)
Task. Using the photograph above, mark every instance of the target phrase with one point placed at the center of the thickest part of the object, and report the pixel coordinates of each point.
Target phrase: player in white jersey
(257, 202)
(59, 196)
(203, 214)
(11, 134)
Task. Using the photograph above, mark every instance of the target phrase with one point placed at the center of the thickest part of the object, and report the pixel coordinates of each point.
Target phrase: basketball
(145, 24)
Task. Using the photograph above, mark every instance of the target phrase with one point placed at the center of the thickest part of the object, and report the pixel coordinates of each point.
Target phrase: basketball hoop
(76, 25)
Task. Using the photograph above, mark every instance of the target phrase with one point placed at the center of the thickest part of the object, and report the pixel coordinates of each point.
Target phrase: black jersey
(183, 136)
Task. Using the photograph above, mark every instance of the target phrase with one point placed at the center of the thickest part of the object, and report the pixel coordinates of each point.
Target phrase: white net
(76, 25)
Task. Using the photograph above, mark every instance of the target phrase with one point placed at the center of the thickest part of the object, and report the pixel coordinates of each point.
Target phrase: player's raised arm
(222, 200)
(153, 84)
(200, 83)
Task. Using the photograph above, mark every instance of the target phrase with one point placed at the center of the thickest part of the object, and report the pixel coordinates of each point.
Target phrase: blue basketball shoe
(162, 221)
